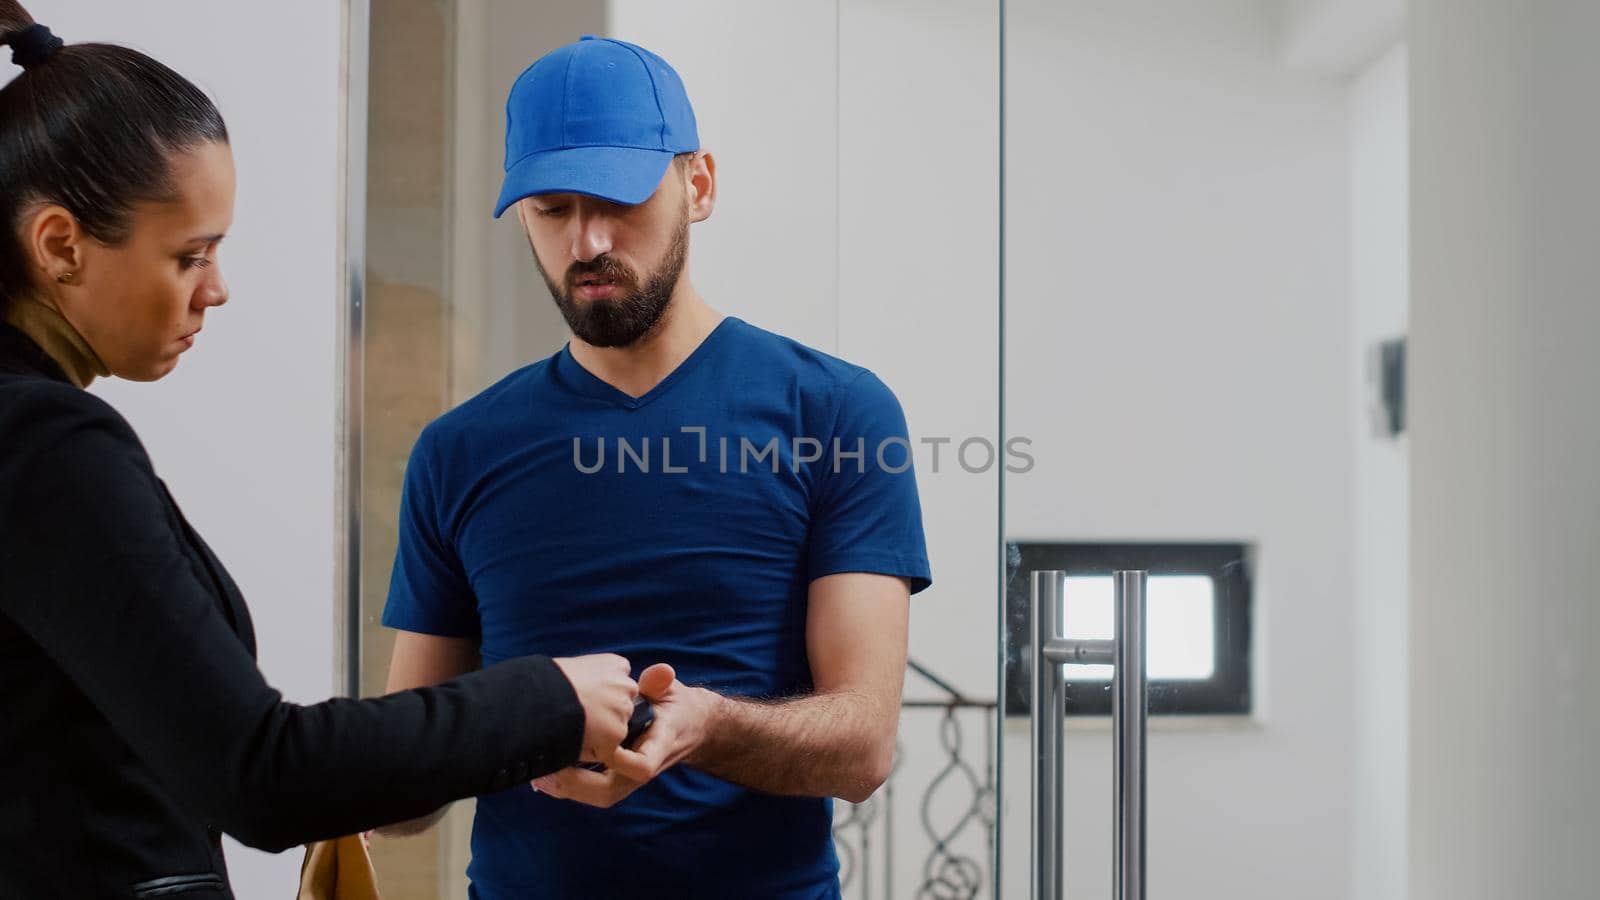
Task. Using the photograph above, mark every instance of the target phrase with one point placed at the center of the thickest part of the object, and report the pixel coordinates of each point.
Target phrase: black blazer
(134, 724)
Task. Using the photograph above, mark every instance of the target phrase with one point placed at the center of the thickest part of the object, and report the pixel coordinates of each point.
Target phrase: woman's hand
(683, 716)
(606, 691)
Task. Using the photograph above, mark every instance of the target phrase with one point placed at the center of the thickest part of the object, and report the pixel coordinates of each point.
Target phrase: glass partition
(857, 146)
(1205, 305)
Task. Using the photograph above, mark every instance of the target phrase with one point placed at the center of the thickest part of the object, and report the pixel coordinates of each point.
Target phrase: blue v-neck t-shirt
(555, 514)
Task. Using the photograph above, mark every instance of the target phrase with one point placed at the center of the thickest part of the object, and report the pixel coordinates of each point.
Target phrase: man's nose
(593, 238)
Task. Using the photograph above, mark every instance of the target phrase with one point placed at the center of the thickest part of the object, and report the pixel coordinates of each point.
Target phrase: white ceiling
(1338, 37)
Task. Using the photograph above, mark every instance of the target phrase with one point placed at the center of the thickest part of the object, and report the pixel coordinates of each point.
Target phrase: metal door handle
(1126, 653)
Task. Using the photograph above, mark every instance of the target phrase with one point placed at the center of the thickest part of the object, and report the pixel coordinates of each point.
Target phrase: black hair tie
(33, 45)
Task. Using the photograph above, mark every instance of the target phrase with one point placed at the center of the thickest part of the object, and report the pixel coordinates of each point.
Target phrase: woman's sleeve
(93, 570)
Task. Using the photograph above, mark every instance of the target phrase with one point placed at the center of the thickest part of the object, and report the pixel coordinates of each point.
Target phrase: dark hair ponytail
(92, 127)
(13, 19)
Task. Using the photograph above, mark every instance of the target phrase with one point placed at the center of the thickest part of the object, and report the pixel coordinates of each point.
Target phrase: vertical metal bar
(888, 838)
(357, 24)
(991, 797)
(997, 833)
(866, 857)
(1128, 712)
(1049, 720)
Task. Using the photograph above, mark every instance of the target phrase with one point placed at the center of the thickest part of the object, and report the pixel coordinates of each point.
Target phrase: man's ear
(701, 179)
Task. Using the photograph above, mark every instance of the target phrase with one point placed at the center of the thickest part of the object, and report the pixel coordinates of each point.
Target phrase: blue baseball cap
(599, 117)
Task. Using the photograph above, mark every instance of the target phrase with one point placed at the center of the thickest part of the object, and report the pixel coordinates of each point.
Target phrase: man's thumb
(655, 681)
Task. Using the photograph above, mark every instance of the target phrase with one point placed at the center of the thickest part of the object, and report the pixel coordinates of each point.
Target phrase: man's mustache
(602, 266)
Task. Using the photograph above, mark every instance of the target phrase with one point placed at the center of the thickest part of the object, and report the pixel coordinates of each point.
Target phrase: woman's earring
(65, 277)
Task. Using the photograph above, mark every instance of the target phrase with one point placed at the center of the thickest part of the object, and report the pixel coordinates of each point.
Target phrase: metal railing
(864, 832)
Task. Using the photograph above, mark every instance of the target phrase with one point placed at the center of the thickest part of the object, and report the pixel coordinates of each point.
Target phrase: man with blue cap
(676, 486)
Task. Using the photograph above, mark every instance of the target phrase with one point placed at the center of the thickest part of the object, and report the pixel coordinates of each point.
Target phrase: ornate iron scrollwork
(863, 833)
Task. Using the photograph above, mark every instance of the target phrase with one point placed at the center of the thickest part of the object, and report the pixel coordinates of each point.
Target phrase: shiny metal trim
(1048, 651)
(352, 358)
(1062, 651)
(1129, 708)
(1048, 722)
(1002, 574)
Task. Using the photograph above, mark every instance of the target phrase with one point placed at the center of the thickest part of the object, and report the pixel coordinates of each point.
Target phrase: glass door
(857, 145)
(1204, 319)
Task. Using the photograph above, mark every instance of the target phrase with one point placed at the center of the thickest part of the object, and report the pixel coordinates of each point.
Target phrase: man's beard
(623, 320)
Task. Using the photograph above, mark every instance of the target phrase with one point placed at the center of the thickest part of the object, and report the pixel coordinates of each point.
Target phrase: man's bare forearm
(826, 745)
(414, 826)
(419, 660)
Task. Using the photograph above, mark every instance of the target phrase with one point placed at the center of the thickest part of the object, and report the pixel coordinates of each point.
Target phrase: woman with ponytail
(135, 727)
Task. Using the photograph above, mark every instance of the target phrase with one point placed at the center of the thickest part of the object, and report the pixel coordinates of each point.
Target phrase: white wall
(244, 430)
(1338, 37)
(763, 78)
(501, 314)
(1178, 344)
(1505, 500)
(1379, 282)
(918, 302)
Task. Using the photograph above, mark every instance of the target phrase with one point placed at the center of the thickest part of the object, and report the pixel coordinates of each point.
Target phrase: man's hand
(836, 742)
(682, 717)
(606, 692)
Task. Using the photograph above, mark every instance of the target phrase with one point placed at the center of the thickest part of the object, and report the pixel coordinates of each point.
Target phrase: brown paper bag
(339, 869)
